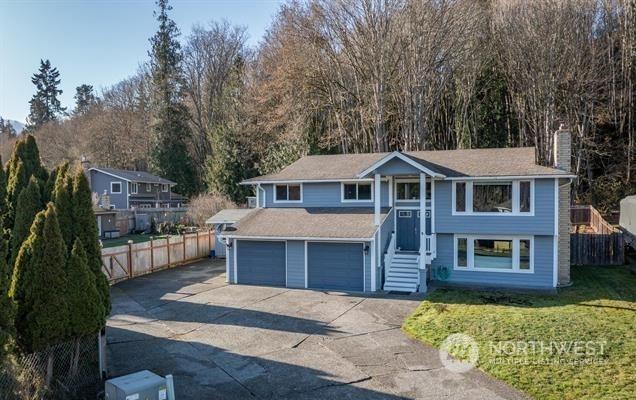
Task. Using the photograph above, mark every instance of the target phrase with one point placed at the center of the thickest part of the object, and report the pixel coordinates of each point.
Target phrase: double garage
(311, 264)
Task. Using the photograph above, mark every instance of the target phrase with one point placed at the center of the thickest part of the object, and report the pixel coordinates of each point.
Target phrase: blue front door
(408, 230)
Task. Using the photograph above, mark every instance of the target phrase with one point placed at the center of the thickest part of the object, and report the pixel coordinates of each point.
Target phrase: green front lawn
(597, 314)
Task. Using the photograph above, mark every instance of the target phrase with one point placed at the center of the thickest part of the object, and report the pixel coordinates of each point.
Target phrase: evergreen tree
(28, 205)
(6, 305)
(46, 314)
(84, 99)
(86, 312)
(62, 197)
(3, 194)
(22, 270)
(17, 182)
(227, 166)
(85, 228)
(49, 186)
(169, 154)
(6, 129)
(45, 105)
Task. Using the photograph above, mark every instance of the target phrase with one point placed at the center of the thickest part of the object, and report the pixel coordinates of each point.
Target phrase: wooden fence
(601, 245)
(130, 260)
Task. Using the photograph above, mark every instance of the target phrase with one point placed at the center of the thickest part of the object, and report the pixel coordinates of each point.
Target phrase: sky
(98, 42)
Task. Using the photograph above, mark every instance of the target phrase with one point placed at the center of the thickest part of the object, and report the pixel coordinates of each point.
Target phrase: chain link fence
(69, 370)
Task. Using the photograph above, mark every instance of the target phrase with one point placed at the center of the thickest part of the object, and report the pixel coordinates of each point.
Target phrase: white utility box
(142, 385)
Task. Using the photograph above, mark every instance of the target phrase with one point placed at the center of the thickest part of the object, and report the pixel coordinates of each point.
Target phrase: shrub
(204, 206)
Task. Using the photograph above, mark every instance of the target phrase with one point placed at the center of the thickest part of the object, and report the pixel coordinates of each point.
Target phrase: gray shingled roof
(513, 161)
(229, 215)
(337, 222)
(135, 176)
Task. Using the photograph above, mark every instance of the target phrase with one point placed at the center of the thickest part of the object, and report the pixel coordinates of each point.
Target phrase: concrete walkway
(247, 342)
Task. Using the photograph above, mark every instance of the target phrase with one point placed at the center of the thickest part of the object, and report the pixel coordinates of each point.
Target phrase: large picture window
(288, 193)
(493, 197)
(496, 254)
(357, 192)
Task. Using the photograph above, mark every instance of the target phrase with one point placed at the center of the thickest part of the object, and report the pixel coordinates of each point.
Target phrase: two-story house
(396, 221)
(133, 189)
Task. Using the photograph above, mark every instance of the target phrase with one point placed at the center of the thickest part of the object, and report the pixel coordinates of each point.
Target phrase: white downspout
(377, 200)
(422, 263)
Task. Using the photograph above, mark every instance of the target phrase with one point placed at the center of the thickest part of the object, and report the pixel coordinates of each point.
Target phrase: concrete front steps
(402, 275)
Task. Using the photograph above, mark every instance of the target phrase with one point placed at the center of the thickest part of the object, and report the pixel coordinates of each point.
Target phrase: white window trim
(111, 187)
(134, 188)
(408, 213)
(165, 187)
(288, 185)
(515, 200)
(342, 192)
(470, 250)
(398, 181)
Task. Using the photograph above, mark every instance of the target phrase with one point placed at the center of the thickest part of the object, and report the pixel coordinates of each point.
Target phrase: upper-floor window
(165, 187)
(115, 187)
(514, 197)
(357, 192)
(288, 193)
(410, 190)
(134, 188)
(148, 187)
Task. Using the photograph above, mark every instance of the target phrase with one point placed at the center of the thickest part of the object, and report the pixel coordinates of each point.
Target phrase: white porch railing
(388, 256)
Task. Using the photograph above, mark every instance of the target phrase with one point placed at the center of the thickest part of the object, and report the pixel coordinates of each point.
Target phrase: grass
(600, 307)
(124, 239)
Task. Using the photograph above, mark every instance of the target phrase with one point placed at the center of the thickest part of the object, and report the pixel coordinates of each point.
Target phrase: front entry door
(408, 230)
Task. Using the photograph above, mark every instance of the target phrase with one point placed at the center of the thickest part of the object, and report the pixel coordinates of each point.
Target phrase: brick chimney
(86, 165)
(563, 161)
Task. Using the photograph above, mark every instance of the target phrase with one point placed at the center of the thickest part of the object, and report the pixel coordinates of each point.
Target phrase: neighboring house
(106, 222)
(134, 189)
(395, 221)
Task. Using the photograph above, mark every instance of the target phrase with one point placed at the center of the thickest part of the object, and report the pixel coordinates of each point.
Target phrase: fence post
(168, 247)
(209, 241)
(198, 249)
(152, 254)
(130, 258)
(184, 246)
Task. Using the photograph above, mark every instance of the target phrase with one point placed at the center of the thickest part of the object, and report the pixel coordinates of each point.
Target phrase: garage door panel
(261, 263)
(335, 266)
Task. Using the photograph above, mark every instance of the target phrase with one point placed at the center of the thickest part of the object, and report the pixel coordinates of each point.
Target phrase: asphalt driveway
(247, 342)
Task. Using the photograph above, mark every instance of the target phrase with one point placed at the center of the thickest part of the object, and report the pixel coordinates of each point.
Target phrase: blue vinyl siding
(295, 264)
(540, 279)
(397, 167)
(324, 194)
(230, 260)
(100, 182)
(542, 223)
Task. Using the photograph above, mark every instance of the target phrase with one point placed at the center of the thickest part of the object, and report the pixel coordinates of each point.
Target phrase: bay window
(493, 253)
(289, 193)
(513, 197)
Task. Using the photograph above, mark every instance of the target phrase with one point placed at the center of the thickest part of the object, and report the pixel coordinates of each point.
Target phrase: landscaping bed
(579, 343)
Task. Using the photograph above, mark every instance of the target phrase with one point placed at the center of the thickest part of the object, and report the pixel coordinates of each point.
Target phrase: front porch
(407, 248)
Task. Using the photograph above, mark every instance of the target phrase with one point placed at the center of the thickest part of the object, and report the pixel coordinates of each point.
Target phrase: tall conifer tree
(169, 155)
(45, 106)
(85, 228)
(6, 305)
(86, 310)
(28, 205)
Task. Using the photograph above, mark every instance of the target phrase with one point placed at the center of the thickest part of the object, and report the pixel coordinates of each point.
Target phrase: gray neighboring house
(133, 189)
(402, 220)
